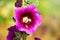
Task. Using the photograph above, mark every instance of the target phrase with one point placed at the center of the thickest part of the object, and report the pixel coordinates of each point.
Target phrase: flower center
(26, 20)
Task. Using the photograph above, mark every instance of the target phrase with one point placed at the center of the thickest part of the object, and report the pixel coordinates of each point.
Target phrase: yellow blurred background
(50, 11)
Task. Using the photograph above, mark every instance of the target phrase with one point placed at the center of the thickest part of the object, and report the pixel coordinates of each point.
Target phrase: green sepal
(18, 36)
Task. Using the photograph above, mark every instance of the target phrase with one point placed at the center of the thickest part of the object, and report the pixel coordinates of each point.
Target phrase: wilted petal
(18, 3)
(37, 38)
(11, 33)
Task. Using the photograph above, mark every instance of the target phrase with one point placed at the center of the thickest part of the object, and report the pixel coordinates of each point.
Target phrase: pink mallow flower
(27, 18)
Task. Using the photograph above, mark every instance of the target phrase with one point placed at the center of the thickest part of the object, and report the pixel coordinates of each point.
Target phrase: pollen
(26, 20)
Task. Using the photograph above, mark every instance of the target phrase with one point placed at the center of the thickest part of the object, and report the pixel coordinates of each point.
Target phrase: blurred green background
(50, 11)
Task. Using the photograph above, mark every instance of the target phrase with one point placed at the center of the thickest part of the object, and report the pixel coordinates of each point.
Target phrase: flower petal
(37, 18)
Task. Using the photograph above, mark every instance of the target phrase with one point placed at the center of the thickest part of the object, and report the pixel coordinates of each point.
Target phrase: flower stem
(24, 36)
